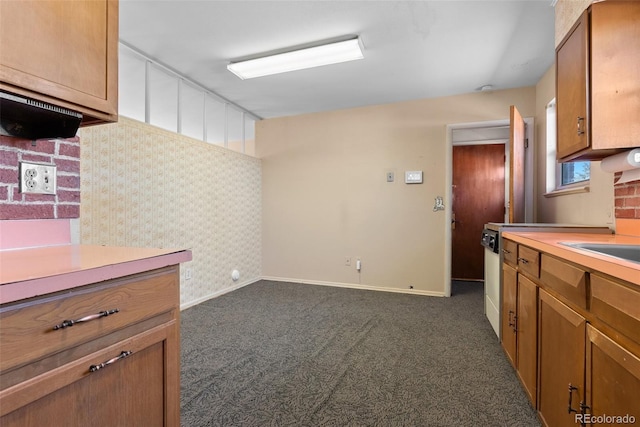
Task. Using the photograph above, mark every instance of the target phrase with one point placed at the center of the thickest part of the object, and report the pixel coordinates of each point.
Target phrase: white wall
(325, 195)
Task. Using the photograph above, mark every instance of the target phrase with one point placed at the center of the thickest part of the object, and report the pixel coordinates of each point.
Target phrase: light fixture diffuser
(332, 53)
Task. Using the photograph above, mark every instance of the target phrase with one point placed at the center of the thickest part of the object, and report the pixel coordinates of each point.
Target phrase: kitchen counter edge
(551, 243)
(112, 262)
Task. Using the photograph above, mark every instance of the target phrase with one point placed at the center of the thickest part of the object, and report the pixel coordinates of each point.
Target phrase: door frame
(529, 181)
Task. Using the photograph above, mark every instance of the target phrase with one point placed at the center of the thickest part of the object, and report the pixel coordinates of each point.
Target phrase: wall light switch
(390, 176)
(37, 178)
(413, 177)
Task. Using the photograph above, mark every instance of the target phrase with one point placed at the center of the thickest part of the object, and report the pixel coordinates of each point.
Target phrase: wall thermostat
(413, 177)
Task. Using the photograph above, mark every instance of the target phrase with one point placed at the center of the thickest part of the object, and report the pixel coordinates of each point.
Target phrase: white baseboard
(218, 293)
(355, 286)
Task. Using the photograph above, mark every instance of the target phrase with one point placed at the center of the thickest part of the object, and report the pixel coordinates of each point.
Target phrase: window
(575, 172)
(152, 93)
(131, 89)
(561, 177)
(191, 111)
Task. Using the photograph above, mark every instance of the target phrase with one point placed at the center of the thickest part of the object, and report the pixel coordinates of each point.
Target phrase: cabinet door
(509, 292)
(136, 390)
(63, 52)
(561, 334)
(613, 377)
(615, 67)
(527, 326)
(571, 90)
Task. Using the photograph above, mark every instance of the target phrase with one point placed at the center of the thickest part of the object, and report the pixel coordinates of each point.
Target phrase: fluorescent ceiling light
(317, 56)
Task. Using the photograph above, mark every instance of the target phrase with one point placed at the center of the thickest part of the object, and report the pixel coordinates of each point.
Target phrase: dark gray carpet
(282, 354)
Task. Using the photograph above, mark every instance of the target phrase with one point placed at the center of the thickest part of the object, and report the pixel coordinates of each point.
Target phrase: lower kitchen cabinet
(613, 380)
(519, 328)
(527, 337)
(120, 369)
(561, 333)
(573, 335)
(509, 307)
(127, 390)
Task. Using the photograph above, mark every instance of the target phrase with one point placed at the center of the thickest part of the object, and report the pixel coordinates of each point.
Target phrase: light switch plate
(413, 177)
(37, 178)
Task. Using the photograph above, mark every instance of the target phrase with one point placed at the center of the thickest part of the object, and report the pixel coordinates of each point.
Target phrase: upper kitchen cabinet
(597, 84)
(64, 53)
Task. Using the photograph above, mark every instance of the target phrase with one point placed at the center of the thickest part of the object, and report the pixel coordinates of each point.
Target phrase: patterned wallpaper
(567, 13)
(146, 187)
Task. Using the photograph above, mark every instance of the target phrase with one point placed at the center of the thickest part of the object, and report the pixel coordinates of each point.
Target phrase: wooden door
(527, 338)
(478, 198)
(517, 145)
(613, 377)
(561, 341)
(509, 292)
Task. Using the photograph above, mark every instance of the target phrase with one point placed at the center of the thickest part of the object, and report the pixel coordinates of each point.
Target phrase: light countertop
(551, 243)
(25, 273)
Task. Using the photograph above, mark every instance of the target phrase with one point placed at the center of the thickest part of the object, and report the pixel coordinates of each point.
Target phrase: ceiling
(412, 49)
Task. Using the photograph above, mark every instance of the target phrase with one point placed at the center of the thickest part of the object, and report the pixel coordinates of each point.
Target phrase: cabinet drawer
(119, 374)
(528, 261)
(510, 252)
(27, 328)
(617, 305)
(568, 281)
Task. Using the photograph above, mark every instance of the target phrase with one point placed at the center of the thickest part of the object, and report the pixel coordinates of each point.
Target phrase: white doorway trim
(449, 180)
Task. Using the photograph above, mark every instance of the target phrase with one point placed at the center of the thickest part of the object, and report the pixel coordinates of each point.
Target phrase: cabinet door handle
(68, 323)
(583, 411)
(122, 355)
(523, 260)
(506, 251)
(580, 125)
(571, 389)
(512, 320)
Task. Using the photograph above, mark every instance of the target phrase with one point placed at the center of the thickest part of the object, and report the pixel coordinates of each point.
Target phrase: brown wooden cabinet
(519, 321)
(64, 53)
(613, 379)
(573, 335)
(561, 333)
(597, 82)
(527, 336)
(103, 370)
(509, 307)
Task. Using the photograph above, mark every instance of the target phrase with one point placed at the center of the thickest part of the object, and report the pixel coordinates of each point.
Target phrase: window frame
(554, 168)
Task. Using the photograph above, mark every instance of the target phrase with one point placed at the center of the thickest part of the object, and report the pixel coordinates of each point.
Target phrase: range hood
(30, 119)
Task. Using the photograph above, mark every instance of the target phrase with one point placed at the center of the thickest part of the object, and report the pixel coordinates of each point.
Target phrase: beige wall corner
(146, 187)
(567, 13)
(325, 195)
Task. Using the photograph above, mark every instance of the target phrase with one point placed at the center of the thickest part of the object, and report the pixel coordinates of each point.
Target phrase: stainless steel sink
(626, 252)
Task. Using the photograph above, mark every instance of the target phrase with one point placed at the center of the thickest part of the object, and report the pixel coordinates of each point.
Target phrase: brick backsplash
(627, 199)
(65, 154)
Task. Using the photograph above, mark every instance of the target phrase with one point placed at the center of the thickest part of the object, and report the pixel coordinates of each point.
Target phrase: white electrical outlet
(187, 274)
(37, 178)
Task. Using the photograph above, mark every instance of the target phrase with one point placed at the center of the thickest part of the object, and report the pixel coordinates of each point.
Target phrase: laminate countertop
(26, 273)
(552, 243)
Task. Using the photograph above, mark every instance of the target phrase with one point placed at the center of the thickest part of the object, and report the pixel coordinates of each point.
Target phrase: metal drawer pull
(505, 251)
(523, 260)
(122, 355)
(580, 122)
(68, 323)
